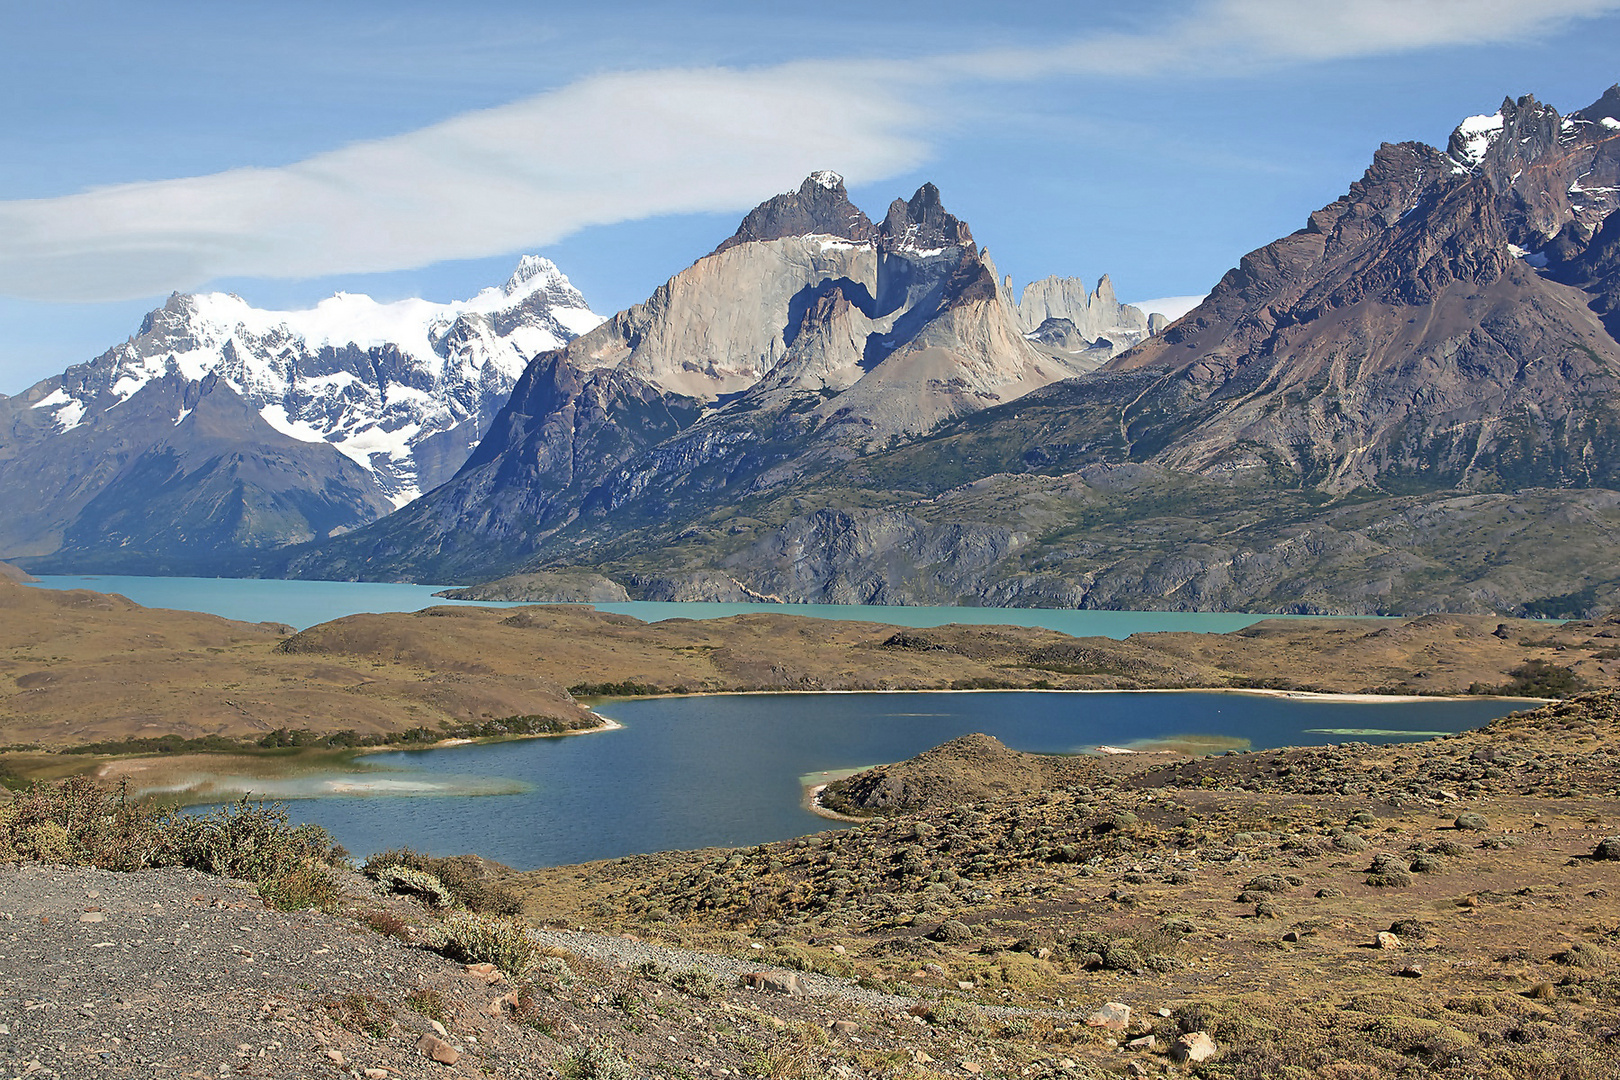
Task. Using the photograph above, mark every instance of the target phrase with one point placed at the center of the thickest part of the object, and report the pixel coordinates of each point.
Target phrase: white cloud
(634, 145)
(610, 148)
(1223, 36)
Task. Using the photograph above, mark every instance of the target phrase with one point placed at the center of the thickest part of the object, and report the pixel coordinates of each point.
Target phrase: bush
(419, 883)
(83, 823)
(463, 875)
(482, 939)
(297, 890)
(698, 983)
(1389, 871)
(245, 840)
(597, 1062)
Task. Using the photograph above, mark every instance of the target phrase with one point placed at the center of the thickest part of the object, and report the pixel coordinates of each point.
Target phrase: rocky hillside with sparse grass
(1433, 909)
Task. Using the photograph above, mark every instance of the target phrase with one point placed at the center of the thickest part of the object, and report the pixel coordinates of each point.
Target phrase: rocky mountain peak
(820, 207)
(1604, 108)
(922, 223)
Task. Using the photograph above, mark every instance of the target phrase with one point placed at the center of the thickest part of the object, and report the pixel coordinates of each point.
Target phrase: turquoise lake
(302, 604)
(729, 770)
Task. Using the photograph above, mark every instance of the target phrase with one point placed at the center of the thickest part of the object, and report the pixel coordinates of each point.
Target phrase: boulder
(436, 1049)
(1111, 1017)
(1194, 1047)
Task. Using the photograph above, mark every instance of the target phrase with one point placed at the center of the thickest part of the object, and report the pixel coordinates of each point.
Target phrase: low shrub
(306, 887)
(483, 939)
(698, 983)
(84, 823)
(597, 1062)
(463, 875)
(419, 883)
(429, 1003)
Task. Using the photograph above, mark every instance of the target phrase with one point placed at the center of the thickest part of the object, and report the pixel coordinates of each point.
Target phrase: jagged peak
(922, 224)
(1471, 140)
(820, 207)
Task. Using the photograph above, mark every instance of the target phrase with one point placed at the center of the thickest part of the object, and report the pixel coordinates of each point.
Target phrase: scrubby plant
(473, 938)
(463, 876)
(84, 823)
(388, 924)
(246, 840)
(598, 1061)
(308, 886)
(698, 983)
(418, 883)
(429, 1003)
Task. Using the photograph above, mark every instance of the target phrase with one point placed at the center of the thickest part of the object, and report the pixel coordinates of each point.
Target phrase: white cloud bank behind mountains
(621, 147)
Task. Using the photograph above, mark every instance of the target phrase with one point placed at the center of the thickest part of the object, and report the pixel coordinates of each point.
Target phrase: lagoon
(729, 770)
(303, 604)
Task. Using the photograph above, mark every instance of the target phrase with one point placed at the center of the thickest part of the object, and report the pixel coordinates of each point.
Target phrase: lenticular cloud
(611, 148)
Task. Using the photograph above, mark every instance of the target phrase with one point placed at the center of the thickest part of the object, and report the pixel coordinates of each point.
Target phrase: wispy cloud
(625, 146)
(1226, 36)
(610, 148)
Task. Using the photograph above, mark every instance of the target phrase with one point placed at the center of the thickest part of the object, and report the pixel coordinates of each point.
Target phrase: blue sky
(285, 150)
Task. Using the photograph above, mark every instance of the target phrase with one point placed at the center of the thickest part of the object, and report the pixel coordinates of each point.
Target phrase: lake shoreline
(1297, 695)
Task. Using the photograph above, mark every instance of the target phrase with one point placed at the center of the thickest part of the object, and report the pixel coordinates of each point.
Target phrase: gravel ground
(176, 973)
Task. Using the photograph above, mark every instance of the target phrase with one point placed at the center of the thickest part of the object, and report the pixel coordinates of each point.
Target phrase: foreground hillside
(1434, 909)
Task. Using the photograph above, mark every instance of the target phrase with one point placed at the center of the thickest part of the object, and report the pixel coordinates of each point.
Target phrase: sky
(286, 150)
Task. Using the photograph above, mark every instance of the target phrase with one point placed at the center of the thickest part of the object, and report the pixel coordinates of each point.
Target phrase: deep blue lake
(729, 770)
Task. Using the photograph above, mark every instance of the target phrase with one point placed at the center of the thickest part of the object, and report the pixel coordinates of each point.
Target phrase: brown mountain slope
(1415, 331)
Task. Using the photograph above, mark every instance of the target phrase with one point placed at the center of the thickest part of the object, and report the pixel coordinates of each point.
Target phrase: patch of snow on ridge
(1474, 137)
(51, 400)
(68, 416)
(276, 416)
(1533, 258)
(827, 179)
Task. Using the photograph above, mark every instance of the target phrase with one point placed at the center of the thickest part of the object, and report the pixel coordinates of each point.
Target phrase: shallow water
(727, 770)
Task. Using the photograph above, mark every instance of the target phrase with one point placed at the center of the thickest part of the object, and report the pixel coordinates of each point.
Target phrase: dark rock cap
(821, 206)
(922, 222)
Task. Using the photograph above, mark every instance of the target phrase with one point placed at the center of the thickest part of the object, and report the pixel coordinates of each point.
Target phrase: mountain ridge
(1407, 405)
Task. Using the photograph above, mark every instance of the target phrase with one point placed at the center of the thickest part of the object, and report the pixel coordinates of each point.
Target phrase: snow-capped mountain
(404, 389)
(221, 431)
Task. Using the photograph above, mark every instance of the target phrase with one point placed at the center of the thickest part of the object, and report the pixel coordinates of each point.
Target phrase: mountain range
(219, 430)
(1409, 404)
